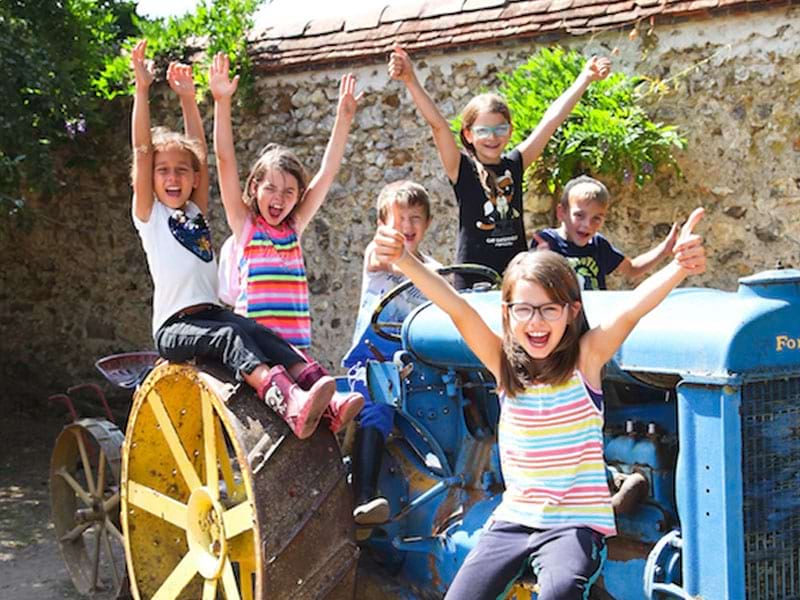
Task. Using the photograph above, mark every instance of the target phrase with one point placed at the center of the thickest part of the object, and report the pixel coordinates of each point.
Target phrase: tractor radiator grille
(771, 480)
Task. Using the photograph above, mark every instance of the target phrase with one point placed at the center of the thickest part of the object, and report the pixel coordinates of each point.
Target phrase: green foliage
(216, 26)
(60, 62)
(607, 134)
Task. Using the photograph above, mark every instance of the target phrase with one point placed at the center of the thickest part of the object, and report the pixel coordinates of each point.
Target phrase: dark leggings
(216, 334)
(565, 560)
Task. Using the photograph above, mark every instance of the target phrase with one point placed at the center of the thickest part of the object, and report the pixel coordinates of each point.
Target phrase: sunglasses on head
(483, 132)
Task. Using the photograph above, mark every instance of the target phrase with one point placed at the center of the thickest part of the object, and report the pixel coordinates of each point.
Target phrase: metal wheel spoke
(101, 474)
(173, 441)
(87, 466)
(112, 529)
(246, 577)
(229, 582)
(238, 519)
(180, 577)
(158, 504)
(210, 447)
(210, 589)
(76, 487)
(96, 557)
(111, 502)
(224, 459)
(110, 552)
(74, 533)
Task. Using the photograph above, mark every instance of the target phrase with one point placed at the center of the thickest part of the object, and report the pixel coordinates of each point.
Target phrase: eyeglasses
(483, 132)
(524, 311)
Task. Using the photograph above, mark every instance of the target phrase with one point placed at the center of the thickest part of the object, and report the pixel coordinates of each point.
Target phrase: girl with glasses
(556, 508)
(487, 180)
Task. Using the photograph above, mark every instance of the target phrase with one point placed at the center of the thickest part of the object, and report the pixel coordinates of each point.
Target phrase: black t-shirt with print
(490, 232)
(592, 262)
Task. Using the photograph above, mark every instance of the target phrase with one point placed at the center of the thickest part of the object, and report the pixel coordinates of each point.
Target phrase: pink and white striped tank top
(551, 453)
(274, 288)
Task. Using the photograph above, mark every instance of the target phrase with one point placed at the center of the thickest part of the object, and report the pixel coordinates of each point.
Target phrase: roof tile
(401, 11)
(325, 26)
(478, 4)
(435, 8)
(365, 20)
(518, 9)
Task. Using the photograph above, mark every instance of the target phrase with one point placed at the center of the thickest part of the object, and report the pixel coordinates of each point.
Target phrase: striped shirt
(274, 288)
(551, 453)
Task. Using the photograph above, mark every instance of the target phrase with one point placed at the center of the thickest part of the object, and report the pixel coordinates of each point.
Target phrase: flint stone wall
(76, 287)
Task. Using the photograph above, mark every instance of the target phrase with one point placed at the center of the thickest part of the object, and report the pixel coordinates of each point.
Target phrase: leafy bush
(608, 132)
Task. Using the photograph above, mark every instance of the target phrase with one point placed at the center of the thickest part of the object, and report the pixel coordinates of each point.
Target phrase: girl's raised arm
(332, 159)
(400, 68)
(181, 80)
(486, 344)
(230, 186)
(140, 134)
(600, 344)
(532, 147)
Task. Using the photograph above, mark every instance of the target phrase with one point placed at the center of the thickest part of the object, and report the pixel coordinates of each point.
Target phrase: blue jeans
(220, 335)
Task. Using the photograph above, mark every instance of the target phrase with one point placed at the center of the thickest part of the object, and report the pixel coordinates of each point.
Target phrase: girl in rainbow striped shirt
(556, 509)
(267, 218)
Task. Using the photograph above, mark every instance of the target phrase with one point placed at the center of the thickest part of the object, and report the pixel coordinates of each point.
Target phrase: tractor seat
(127, 370)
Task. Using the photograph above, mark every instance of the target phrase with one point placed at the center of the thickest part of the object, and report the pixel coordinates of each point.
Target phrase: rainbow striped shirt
(551, 453)
(275, 289)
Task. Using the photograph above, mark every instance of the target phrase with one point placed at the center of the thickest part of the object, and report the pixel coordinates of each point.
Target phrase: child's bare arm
(600, 344)
(532, 147)
(334, 152)
(636, 268)
(140, 134)
(181, 79)
(400, 68)
(230, 186)
(485, 343)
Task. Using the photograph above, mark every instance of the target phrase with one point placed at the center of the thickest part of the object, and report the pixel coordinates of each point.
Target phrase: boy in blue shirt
(582, 211)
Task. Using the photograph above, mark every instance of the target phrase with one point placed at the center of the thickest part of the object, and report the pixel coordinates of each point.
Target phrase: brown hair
(273, 156)
(594, 191)
(483, 103)
(403, 193)
(517, 368)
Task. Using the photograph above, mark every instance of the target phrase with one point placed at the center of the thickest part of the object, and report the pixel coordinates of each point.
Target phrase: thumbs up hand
(688, 251)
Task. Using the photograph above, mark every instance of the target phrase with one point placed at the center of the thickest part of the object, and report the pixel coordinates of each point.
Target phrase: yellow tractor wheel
(84, 499)
(221, 500)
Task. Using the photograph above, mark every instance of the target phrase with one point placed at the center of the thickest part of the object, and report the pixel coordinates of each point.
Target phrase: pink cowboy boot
(301, 409)
(343, 406)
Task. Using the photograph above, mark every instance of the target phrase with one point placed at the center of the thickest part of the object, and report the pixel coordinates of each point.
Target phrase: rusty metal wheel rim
(84, 500)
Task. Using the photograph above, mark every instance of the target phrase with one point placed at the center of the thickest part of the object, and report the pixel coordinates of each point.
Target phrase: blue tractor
(702, 428)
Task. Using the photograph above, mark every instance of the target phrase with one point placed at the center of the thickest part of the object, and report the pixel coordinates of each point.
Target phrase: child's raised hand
(400, 67)
(219, 81)
(348, 100)
(142, 68)
(669, 241)
(597, 68)
(689, 252)
(181, 79)
(389, 244)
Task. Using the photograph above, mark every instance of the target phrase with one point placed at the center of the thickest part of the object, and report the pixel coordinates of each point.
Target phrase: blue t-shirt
(592, 262)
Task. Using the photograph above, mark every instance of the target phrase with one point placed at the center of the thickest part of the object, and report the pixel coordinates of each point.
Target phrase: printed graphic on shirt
(498, 213)
(193, 234)
(587, 269)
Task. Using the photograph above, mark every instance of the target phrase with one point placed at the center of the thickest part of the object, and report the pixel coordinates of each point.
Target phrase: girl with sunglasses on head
(556, 510)
(487, 180)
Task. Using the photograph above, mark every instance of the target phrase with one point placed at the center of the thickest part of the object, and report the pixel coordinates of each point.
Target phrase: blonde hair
(273, 156)
(595, 191)
(517, 368)
(483, 103)
(163, 139)
(403, 193)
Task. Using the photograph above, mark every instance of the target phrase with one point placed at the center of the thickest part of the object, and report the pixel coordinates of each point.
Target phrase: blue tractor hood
(696, 332)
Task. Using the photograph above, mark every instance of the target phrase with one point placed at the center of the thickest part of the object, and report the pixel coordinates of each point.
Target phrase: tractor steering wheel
(390, 330)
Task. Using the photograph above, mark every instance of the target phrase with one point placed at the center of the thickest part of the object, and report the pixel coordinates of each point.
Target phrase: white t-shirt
(180, 257)
(374, 284)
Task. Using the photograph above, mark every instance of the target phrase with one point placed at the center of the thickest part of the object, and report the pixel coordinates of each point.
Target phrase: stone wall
(76, 287)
